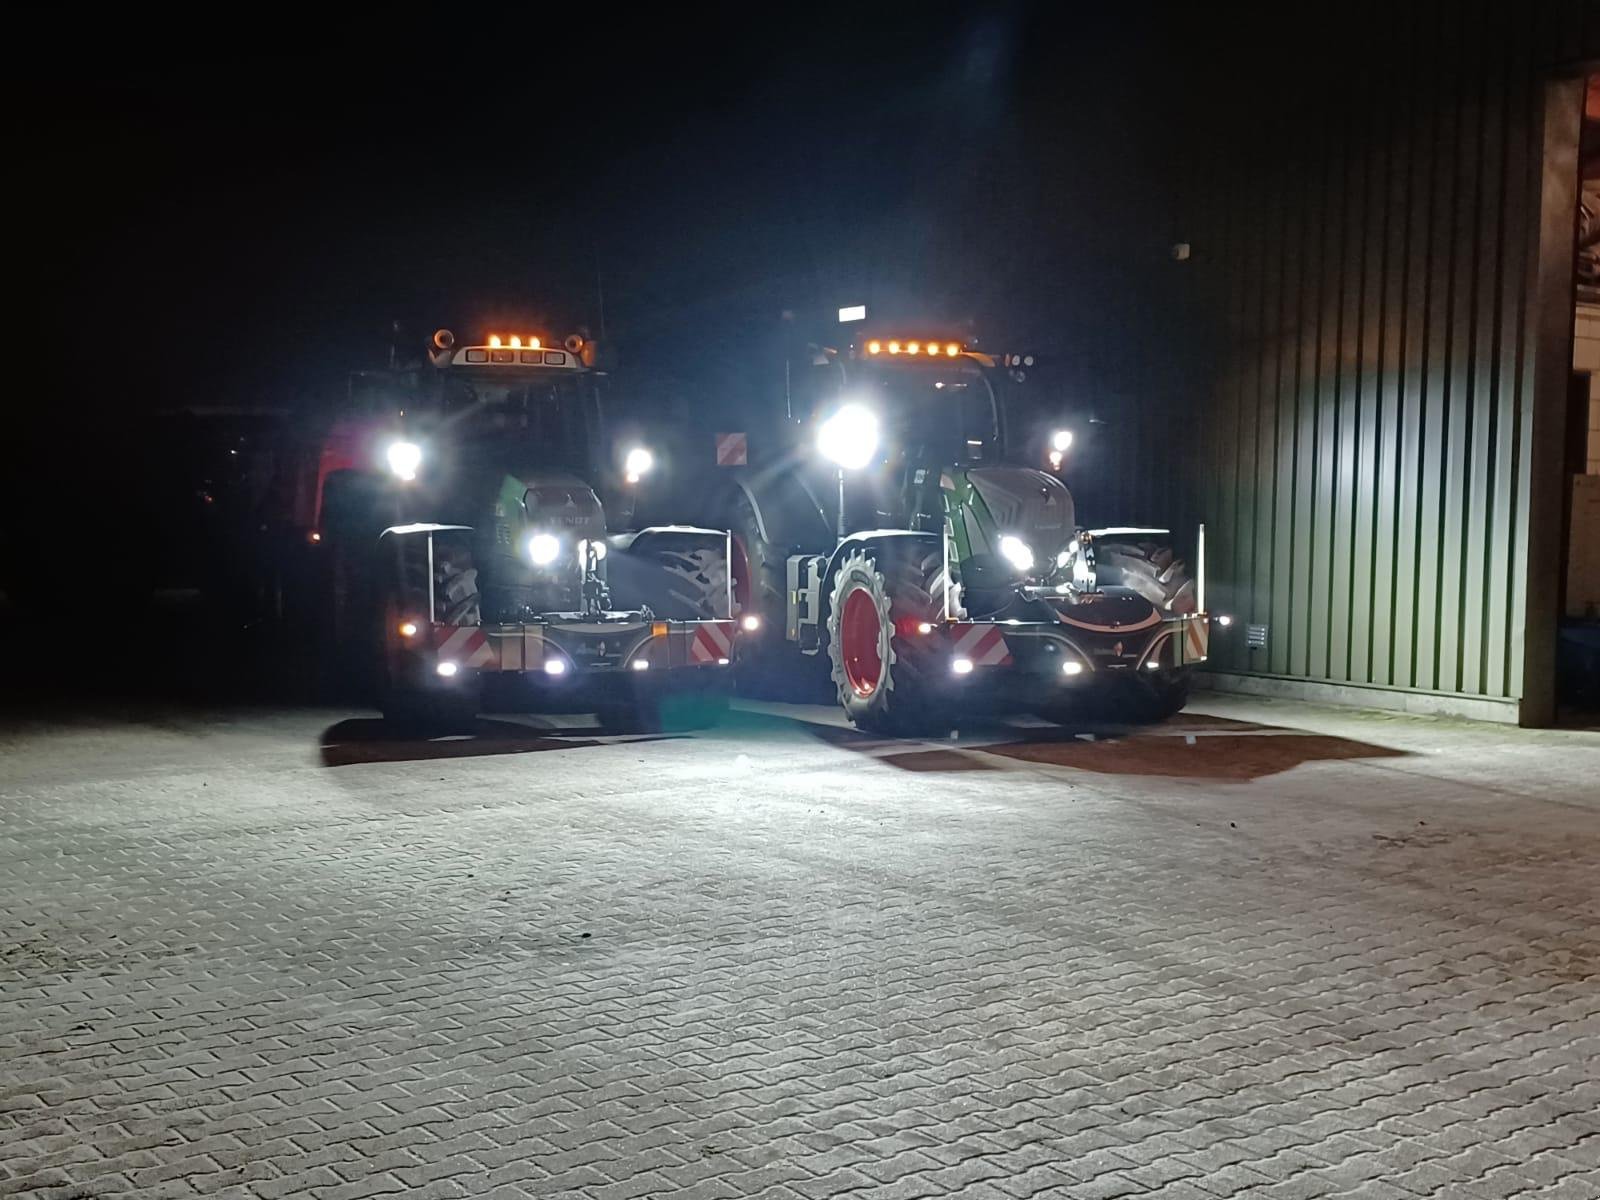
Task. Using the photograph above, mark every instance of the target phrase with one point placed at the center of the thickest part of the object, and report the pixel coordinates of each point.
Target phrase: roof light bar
(932, 349)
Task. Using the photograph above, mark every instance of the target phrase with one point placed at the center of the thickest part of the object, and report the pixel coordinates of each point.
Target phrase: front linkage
(623, 663)
(907, 659)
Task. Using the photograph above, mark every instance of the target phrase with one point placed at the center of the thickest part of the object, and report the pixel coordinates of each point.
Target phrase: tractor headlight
(1061, 441)
(1016, 552)
(849, 438)
(544, 549)
(403, 458)
(637, 463)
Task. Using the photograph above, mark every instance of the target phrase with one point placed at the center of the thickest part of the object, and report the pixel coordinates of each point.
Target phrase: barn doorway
(1578, 631)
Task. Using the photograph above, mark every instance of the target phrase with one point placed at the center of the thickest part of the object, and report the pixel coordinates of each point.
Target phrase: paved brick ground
(1268, 951)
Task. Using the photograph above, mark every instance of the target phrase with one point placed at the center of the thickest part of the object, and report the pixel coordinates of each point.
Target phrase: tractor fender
(788, 515)
(654, 536)
(867, 539)
(679, 572)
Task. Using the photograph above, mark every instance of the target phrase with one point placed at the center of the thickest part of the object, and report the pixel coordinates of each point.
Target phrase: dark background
(236, 230)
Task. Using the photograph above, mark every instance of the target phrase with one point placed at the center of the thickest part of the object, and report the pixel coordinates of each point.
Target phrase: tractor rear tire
(887, 674)
(768, 584)
(768, 666)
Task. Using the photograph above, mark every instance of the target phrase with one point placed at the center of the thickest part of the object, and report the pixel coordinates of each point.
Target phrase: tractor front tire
(1160, 698)
(409, 709)
(886, 673)
(1123, 702)
(1148, 568)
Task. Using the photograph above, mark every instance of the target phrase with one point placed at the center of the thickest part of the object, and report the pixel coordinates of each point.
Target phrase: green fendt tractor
(913, 526)
(469, 517)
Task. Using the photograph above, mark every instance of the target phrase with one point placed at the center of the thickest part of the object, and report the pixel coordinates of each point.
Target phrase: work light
(404, 458)
(1016, 552)
(543, 548)
(849, 438)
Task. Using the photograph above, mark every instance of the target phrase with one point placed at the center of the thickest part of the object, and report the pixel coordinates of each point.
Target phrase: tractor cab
(914, 410)
(507, 408)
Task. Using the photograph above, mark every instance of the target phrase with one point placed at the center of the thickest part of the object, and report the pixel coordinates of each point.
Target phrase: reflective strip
(713, 641)
(510, 646)
(1197, 639)
(518, 647)
(985, 645)
(465, 644)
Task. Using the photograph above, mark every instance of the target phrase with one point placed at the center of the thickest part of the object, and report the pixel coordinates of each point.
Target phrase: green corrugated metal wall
(1366, 263)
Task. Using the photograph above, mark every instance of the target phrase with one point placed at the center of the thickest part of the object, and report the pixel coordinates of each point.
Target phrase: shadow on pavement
(936, 761)
(1188, 746)
(369, 740)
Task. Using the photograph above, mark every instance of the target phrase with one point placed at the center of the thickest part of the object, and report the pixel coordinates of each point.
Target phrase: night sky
(236, 234)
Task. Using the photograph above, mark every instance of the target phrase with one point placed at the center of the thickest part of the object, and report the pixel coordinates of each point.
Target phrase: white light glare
(849, 438)
(585, 546)
(1152, 665)
(638, 462)
(543, 548)
(961, 666)
(1061, 440)
(641, 664)
(1224, 620)
(1016, 552)
(750, 622)
(446, 669)
(555, 666)
(1072, 668)
(404, 458)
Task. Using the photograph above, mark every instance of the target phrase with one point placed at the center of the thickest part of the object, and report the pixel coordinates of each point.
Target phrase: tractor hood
(526, 505)
(1023, 503)
(560, 504)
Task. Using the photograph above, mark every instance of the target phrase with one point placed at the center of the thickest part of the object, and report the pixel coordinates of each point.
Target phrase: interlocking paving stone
(779, 960)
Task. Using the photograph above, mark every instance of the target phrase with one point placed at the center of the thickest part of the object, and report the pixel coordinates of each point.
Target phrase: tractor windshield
(941, 413)
(527, 420)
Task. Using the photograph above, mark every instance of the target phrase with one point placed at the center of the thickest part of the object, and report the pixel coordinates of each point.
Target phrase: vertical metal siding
(1369, 267)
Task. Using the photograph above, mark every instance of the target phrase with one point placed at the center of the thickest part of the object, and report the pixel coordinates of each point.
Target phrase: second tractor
(912, 525)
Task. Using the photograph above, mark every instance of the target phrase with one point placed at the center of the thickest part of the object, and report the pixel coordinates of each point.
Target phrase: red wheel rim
(858, 643)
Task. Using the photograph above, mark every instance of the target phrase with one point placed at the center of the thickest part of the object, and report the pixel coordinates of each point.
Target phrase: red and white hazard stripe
(1196, 640)
(466, 645)
(983, 645)
(733, 450)
(713, 643)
